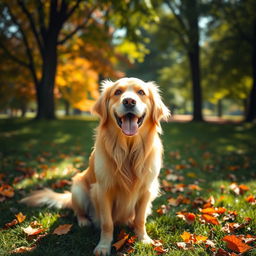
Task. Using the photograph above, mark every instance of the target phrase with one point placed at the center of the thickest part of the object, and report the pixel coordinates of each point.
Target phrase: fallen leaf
(180, 167)
(194, 187)
(231, 216)
(186, 236)
(12, 223)
(210, 243)
(61, 183)
(236, 244)
(238, 189)
(211, 211)
(32, 231)
(185, 246)
(20, 217)
(210, 219)
(62, 229)
(251, 199)
(23, 249)
(187, 216)
(6, 190)
(119, 244)
(163, 209)
(160, 250)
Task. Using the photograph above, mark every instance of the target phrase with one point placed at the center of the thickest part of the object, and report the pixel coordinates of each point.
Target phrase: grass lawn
(201, 162)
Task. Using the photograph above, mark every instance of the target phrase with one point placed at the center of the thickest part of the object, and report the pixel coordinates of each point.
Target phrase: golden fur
(121, 180)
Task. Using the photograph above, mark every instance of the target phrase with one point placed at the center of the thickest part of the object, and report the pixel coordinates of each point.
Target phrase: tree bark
(194, 57)
(67, 108)
(219, 108)
(196, 86)
(45, 88)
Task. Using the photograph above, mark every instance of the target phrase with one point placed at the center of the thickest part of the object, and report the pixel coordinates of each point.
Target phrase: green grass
(56, 150)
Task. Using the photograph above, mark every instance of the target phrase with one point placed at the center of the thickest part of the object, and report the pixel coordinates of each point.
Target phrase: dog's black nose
(129, 102)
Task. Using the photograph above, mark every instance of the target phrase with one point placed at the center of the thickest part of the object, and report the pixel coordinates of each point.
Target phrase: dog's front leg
(106, 224)
(140, 218)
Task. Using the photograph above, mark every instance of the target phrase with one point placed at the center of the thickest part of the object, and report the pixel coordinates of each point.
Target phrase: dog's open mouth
(129, 123)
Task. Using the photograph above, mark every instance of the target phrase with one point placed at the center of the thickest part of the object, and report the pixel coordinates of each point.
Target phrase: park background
(201, 53)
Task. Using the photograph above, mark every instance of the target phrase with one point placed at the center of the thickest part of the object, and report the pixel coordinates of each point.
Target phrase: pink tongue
(129, 125)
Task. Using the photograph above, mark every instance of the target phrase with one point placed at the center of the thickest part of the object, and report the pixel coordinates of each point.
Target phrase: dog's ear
(159, 110)
(101, 106)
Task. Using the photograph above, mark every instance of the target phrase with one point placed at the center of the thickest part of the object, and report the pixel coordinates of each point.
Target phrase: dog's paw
(145, 239)
(83, 221)
(102, 250)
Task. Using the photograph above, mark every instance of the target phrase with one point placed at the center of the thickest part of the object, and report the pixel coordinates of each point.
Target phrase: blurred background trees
(202, 53)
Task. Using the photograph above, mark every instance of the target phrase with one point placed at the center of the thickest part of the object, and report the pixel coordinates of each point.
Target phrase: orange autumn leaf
(192, 238)
(62, 229)
(200, 239)
(20, 217)
(250, 199)
(236, 244)
(210, 219)
(32, 231)
(160, 250)
(119, 244)
(187, 216)
(212, 210)
(243, 187)
(186, 236)
(194, 187)
(6, 190)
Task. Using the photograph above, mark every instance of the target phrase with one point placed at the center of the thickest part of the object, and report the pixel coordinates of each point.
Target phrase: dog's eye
(118, 92)
(141, 92)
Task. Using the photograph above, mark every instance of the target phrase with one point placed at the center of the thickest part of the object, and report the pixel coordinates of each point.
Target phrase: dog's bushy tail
(50, 198)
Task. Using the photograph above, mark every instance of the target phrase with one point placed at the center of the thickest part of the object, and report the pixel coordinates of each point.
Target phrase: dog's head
(129, 104)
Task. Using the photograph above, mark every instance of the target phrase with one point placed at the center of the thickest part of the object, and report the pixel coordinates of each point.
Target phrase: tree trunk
(251, 110)
(45, 89)
(219, 108)
(192, 14)
(196, 86)
(67, 108)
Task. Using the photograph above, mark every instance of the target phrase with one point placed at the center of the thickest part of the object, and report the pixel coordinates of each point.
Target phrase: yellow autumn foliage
(78, 83)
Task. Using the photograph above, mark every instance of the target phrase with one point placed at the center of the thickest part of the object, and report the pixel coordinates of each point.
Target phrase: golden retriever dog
(121, 181)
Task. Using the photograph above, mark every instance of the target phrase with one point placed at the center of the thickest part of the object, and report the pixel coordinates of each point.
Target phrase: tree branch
(31, 64)
(177, 16)
(13, 57)
(32, 24)
(79, 27)
(41, 16)
(71, 11)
